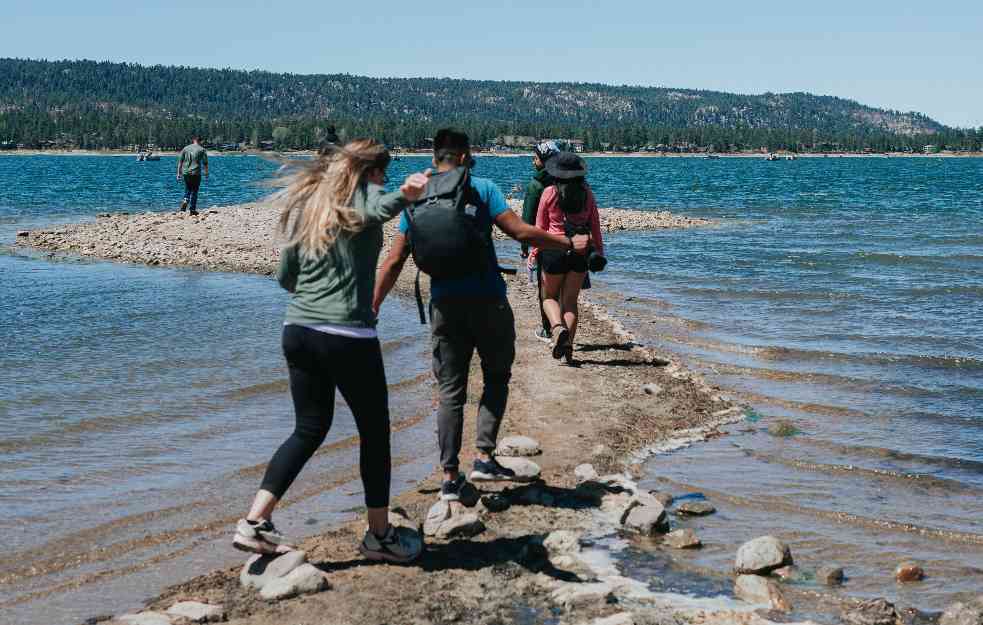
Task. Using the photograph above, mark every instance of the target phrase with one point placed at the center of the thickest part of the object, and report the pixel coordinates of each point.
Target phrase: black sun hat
(566, 165)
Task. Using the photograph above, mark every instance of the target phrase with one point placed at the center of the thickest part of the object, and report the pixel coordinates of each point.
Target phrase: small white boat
(771, 157)
(712, 156)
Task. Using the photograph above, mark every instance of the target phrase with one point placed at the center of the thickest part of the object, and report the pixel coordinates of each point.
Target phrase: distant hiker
(191, 164)
(333, 211)
(449, 232)
(568, 207)
(541, 153)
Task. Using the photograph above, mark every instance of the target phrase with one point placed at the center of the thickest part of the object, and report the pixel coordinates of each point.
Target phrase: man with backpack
(449, 234)
(541, 179)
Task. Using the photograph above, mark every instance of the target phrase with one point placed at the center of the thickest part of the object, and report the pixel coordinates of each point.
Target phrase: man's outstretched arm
(389, 271)
(512, 225)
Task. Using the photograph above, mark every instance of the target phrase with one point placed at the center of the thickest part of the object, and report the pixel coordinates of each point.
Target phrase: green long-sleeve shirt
(337, 287)
(534, 191)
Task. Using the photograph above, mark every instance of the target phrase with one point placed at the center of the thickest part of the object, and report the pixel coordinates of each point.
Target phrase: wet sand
(595, 412)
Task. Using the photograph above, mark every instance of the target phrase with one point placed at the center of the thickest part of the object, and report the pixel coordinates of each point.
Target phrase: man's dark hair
(450, 144)
(196, 137)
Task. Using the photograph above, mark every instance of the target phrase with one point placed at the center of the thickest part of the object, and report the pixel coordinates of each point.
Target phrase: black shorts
(557, 262)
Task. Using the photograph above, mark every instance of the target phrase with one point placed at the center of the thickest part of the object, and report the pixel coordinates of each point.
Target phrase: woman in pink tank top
(567, 207)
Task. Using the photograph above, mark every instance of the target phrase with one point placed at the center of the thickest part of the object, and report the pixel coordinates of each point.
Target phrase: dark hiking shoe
(184, 206)
(568, 355)
(259, 537)
(395, 546)
(193, 213)
(544, 335)
(561, 343)
(491, 471)
(450, 490)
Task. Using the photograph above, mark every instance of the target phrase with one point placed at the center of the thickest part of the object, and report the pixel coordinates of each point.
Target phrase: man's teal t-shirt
(491, 284)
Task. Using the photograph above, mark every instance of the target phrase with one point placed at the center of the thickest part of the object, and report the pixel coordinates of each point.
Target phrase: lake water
(842, 296)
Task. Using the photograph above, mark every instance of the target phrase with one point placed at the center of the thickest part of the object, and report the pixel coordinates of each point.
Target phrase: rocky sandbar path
(233, 238)
(520, 558)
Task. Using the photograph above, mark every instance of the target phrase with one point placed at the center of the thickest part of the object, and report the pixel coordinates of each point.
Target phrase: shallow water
(840, 294)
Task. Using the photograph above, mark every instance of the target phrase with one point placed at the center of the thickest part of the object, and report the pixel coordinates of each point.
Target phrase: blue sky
(923, 56)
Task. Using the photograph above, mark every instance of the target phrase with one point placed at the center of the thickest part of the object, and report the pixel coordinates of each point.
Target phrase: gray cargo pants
(459, 327)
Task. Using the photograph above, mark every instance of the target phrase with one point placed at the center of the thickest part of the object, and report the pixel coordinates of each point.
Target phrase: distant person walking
(191, 164)
(541, 179)
(450, 234)
(567, 207)
(333, 211)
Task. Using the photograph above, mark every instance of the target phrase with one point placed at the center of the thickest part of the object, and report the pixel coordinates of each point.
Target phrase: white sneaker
(260, 537)
(395, 546)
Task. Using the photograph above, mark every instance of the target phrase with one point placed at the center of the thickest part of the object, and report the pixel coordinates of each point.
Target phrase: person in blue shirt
(469, 314)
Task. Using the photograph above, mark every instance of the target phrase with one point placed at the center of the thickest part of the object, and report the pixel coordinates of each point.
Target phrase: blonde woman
(332, 214)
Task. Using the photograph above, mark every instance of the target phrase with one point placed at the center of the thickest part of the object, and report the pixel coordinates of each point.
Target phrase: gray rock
(562, 541)
(646, 520)
(664, 498)
(964, 613)
(651, 389)
(495, 502)
(909, 572)
(830, 576)
(873, 612)
(23, 233)
(570, 595)
(644, 498)
(518, 446)
(682, 539)
(756, 589)
(525, 470)
(762, 556)
(438, 513)
(624, 618)
(262, 569)
(695, 508)
(197, 611)
(585, 473)
(460, 526)
(303, 580)
(145, 618)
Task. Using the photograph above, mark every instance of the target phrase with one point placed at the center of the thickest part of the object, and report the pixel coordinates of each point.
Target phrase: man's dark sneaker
(544, 335)
(450, 490)
(491, 471)
(184, 206)
(395, 546)
(260, 537)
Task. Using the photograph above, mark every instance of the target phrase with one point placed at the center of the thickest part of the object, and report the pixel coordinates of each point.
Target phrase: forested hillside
(101, 104)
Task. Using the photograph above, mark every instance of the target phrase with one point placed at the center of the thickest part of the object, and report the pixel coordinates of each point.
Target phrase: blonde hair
(315, 197)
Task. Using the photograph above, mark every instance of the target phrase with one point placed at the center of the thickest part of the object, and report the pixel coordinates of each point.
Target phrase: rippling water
(842, 295)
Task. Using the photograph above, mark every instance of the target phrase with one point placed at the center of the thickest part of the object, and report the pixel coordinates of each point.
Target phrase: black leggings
(318, 363)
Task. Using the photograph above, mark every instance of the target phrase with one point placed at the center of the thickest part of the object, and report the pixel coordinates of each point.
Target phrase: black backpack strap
(419, 299)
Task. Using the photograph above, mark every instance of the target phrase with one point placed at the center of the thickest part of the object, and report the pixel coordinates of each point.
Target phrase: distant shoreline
(760, 155)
